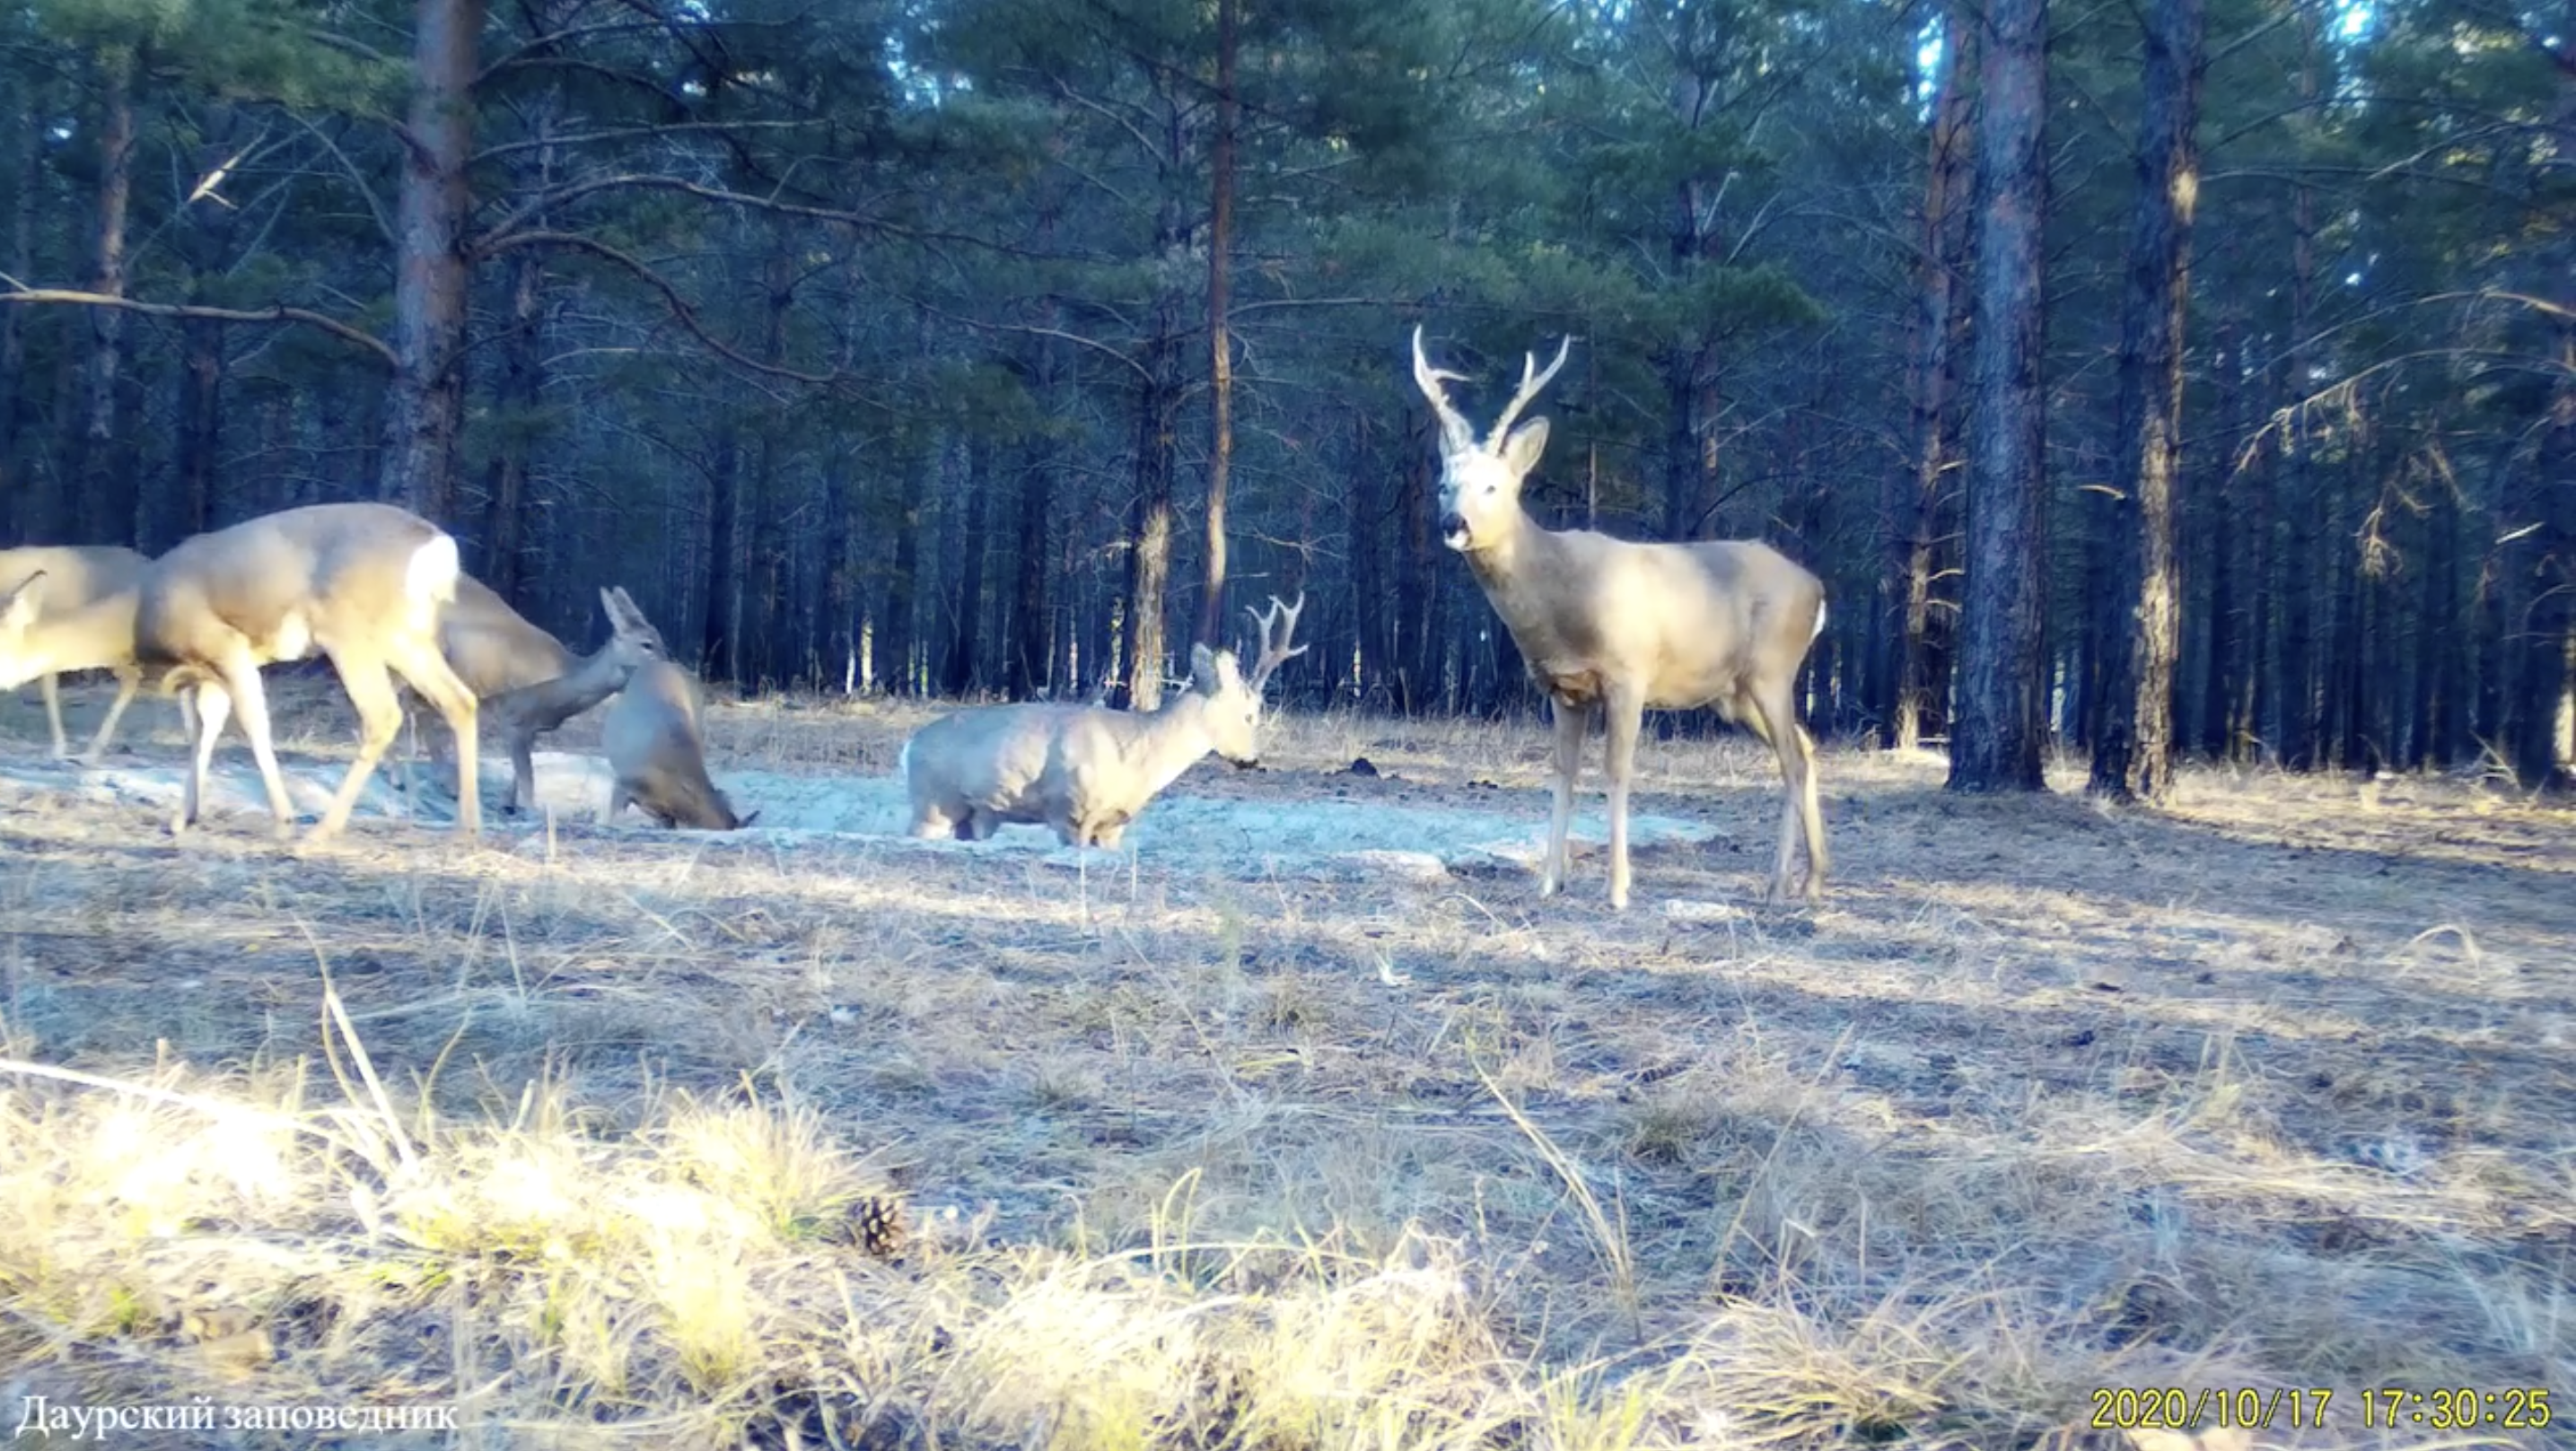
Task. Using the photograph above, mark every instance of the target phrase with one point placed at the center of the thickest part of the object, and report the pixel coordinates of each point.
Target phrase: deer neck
(1519, 568)
(1170, 741)
(93, 636)
(591, 679)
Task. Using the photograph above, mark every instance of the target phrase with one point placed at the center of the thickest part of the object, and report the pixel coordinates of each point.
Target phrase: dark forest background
(2194, 378)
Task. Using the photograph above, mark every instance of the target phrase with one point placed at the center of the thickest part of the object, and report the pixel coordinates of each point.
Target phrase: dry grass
(590, 1135)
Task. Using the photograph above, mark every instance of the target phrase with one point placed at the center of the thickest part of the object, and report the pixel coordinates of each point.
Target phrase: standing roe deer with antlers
(1087, 770)
(1626, 626)
(656, 744)
(530, 682)
(70, 608)
(362, 583)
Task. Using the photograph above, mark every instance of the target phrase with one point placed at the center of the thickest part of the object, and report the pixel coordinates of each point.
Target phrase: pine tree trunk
(770, 647)
(719, 656)
(836, 623)
(425, 406)
(898, 644)
(26, 514)
(2220, 529)
(1158, 408)
(1028, 657)
(1220, 466)
(106, 472)
(1996, 741)
(962, 671)
(1414, 650)
(522, 389)
(2548, 668)
(2441, 630)
(2295, 735)
(201, 434)
(1940, 330)
(2134, 756)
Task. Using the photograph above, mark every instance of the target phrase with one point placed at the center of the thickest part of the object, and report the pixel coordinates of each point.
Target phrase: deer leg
(521, 736)
(1811, 816)
(129, 679)
(1068, 831)
(250, 702)
(426, 671)
(1800, 811)
(214, 706)
(371, 692)
(1624, 710)
(53, 693)
(1571, 722)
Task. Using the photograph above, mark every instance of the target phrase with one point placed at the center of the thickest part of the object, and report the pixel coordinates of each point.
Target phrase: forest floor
(1302, 1122)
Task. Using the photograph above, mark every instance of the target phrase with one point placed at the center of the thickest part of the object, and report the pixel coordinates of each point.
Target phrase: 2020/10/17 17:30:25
(2456, 1408)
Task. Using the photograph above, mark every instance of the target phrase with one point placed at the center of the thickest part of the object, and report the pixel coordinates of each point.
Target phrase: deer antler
(1275, 654)
(1456, 433)
(1529, 389)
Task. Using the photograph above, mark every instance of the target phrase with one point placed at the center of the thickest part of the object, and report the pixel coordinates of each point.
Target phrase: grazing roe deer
(1625, 626)
(70, 607)
(362, 583)
(528, 681)
(656, 744)
(1087, 770)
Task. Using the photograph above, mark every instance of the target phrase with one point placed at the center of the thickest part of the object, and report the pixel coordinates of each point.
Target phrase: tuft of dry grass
(609, 1137)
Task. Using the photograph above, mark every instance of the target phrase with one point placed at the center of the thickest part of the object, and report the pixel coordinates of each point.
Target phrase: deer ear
(1521, 450)
(18, 606)
(1203, 669)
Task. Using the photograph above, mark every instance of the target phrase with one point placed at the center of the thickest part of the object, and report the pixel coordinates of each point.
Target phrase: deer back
(494, 648)
(288, 581)
(655, 744)
(74, 575)
(65, 609)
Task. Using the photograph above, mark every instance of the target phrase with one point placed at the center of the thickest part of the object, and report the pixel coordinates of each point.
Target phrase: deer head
(633, 641)
(1233, 701)
(1480, 482)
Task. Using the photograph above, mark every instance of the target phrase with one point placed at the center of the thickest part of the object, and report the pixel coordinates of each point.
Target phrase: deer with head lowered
(655, 738)
(363, 583)
(1086, 770)
(1620, 627)
(528, 681)
(70, 608)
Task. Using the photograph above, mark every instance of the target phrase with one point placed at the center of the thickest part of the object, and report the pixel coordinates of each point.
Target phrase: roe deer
(70, 608)
(527, 680)
(362, 583)
(1086, 770)
(1624, 626)
(656, 744)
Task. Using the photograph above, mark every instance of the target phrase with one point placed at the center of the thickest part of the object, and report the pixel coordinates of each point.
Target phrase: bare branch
(629, 133)
(20, 293)
(684, 314)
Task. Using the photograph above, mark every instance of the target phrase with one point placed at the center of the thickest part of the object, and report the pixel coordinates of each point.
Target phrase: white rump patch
(430, 579)
(1817, 632)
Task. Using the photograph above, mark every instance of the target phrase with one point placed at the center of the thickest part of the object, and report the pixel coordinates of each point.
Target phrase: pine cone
(876, 1225)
